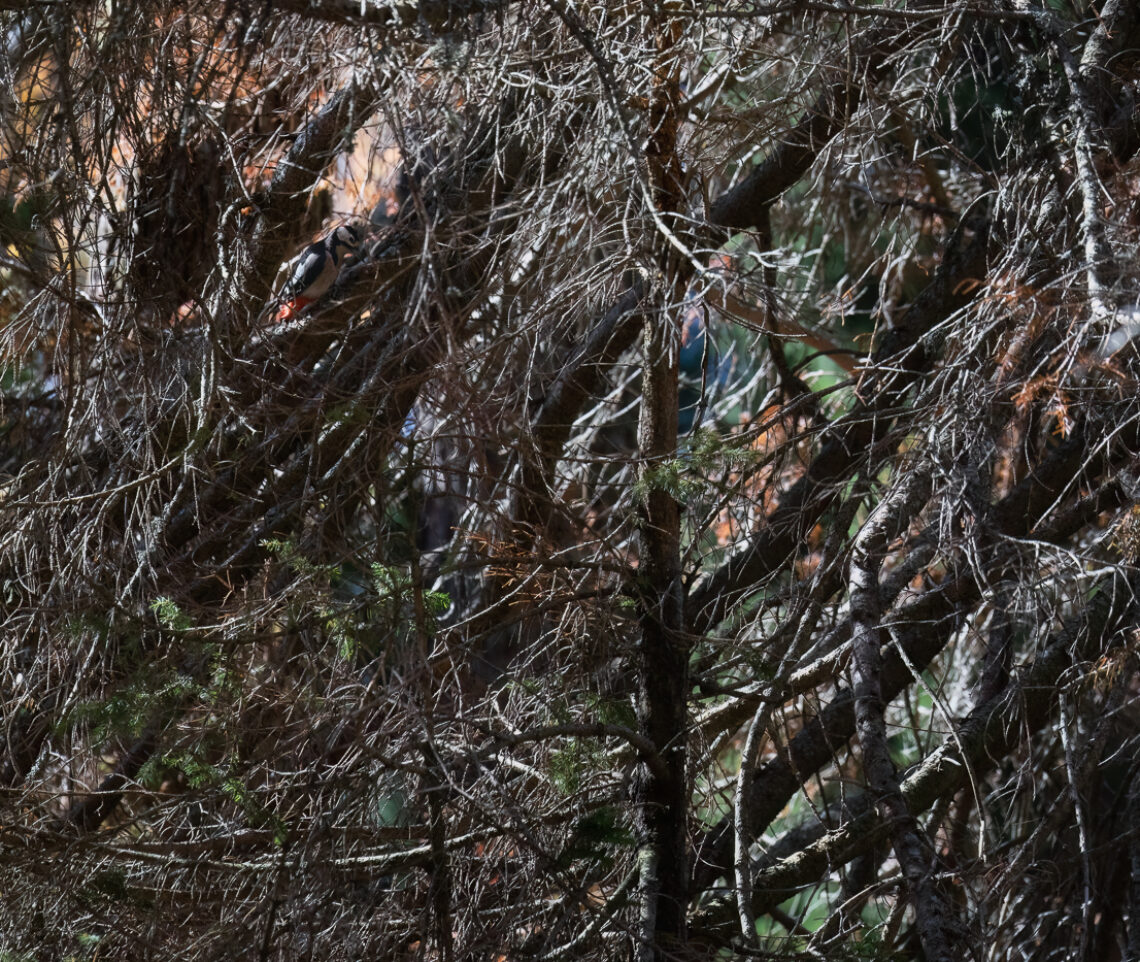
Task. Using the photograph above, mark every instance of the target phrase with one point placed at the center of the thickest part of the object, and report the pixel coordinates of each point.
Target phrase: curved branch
(989, 733)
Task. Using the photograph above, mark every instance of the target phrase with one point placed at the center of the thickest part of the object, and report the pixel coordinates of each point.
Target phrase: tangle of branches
(698, 521)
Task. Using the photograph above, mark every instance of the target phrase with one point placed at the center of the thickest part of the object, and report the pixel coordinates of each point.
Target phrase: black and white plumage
(317, 267)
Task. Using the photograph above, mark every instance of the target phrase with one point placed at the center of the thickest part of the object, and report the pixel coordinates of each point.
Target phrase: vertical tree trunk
(662, 796)
(662, 662)
(932, 913)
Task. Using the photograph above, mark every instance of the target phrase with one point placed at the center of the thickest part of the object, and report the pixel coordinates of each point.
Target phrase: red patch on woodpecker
(290, 309)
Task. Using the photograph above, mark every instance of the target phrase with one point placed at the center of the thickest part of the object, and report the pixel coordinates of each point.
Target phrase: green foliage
(668, 476)
(202, 774)
(381, 609)
(393, 584)
(596, 838)
(80, 625)
(569, 765)
(611, 711)
(198, 772)
(708, 455)
(362, 614)
(710, 452)
(129, 709)
(288, 554)
(169, 615)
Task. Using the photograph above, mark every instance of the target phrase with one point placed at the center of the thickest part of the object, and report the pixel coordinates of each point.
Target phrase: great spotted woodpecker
(316, 269)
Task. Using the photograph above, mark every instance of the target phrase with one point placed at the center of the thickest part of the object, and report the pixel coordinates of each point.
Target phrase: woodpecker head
(344, 241)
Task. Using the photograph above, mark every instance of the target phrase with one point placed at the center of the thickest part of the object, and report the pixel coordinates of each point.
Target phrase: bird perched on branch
(316, 269)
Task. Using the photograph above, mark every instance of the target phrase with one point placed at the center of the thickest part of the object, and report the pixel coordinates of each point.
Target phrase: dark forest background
(700, 522)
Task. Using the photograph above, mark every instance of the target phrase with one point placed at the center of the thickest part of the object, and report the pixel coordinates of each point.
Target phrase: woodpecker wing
(312, 275)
